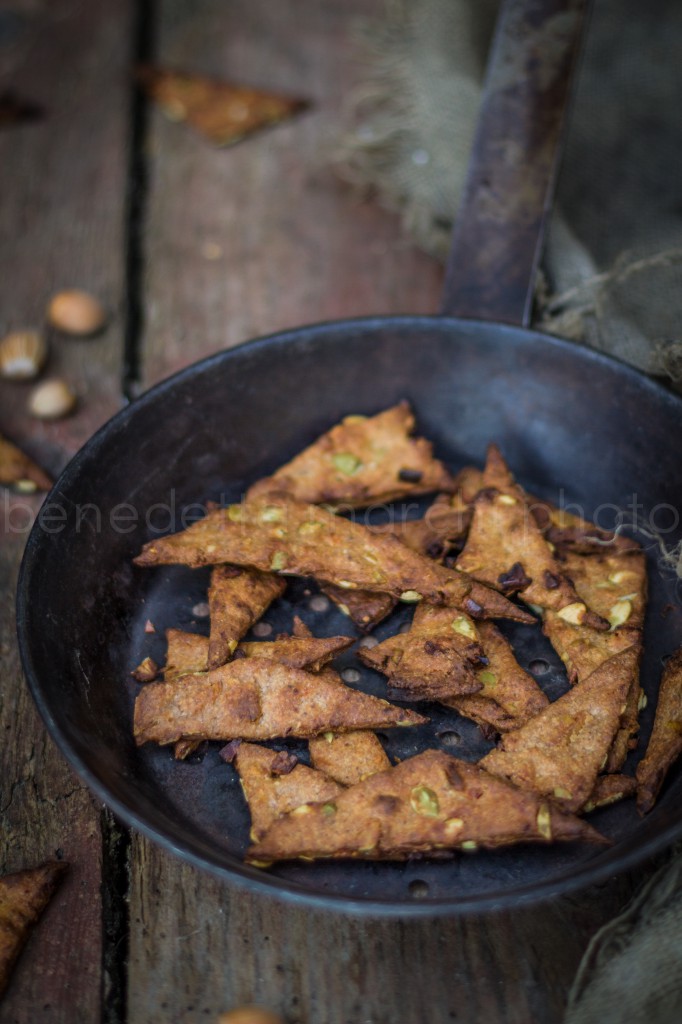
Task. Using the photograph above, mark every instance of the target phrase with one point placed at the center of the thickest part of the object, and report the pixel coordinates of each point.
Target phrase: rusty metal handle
(508, 192)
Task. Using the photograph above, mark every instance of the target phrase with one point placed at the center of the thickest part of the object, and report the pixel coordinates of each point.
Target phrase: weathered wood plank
(261, 236)
(243, 242)
(62, 225)
(208, 947)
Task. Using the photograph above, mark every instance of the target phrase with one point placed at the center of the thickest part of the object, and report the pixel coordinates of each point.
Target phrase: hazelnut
(51, 400)
(76, 312)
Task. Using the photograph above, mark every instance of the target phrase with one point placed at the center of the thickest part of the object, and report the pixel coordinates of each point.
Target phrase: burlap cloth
(611, 278)
(612, 268)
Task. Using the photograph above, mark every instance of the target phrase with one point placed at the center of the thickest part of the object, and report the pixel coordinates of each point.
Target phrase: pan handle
(509, 187)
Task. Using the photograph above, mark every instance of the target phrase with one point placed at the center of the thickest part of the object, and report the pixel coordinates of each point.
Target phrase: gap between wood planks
(144, 51)
(115, 836)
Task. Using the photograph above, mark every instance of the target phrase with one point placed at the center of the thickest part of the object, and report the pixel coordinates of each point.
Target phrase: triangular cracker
(362, 461)
(609, 789)
(625, 738)
(23, 897)
(431, 802)
(364, 608)
(488, 716)
(277, 533)
(237, 597)
(271, 791)
(17, 470)
(505, 684)
(612, 585)
(188, 652)
(256, 699)
(436, 659)
(506, 550)
(583, 649)
(665, 744)
(222, 111)
(560, 751)
(567, 531)
(188, 655)
(348, 757)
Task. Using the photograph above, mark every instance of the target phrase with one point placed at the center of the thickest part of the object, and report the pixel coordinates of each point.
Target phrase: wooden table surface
(192, 250)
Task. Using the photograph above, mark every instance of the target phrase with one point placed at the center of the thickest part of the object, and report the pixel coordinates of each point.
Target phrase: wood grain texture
(259, 237)
(62, 224)
(62, 206)
(238, 243)
(211, 947)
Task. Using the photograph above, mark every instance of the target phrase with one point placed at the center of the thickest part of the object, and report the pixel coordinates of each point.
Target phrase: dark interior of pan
(577, 428)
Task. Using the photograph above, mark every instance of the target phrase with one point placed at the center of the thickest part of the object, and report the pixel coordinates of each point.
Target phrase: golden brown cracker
(300, 629)
(17, 470)
(257, 699)
(488, 716)
(310, 653)
(567, 531)
(625, 738)
(271, 791)
(348, 757)
(435, 660)
(277, 533)
(237, 598)
(361, 461)
(23, 897)
(609, 789)
(583, 649)
(505, 684)
(431, 802)
(665, 744)
(366, 609)
(222, 112)
(612, 585)
(559, 753)
(505, 548)
(187, 652)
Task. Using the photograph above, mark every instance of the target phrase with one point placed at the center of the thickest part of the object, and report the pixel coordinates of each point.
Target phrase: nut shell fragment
(22, 355)
(52, 400)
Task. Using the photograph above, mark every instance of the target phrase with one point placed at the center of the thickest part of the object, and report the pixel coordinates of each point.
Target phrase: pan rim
(593, 870)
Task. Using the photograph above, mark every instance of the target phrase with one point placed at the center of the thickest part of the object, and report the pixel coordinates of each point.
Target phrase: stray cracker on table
(553, 759)
(17, 470)
(223, 112)
(23, 897)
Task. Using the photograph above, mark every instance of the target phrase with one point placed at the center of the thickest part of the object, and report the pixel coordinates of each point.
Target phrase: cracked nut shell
(51, 400)
(22, 355)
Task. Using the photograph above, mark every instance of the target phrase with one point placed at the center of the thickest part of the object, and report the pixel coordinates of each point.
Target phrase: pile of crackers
(484, 549)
